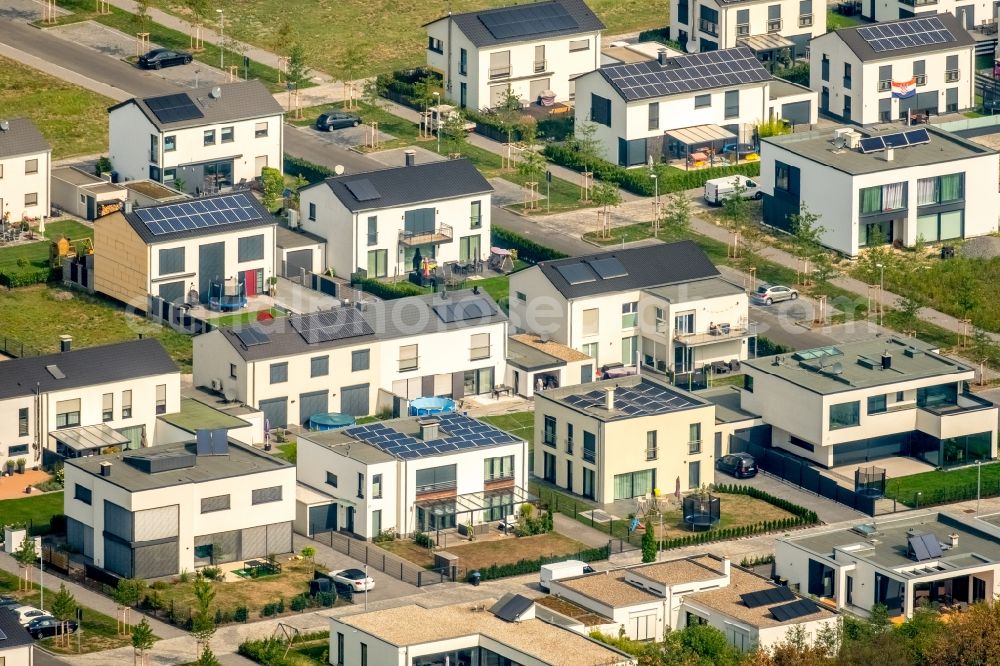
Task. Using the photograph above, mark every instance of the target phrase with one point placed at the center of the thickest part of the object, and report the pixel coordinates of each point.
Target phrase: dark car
(46, 626)
(158, 58)
(7, 601)
(740, 465)
(336, 120)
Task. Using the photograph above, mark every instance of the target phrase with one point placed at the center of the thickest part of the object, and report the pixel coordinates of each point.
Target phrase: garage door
(275, 411)
(296, 261)
(323, 519)
(354, 400)
(316, 402)
(211, 267)
(797, 113)
(172, 292)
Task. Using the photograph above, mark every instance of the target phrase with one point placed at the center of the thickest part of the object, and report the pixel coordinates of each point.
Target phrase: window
(549, 431)
(331, 479)
(319, 366)
(847, 75)
(920, 72)
(654, 115)
(600, 110)
(169, 143)
(579, 45)
(378, 263)
(539, 63)
(881, 199)
(694, 474)
(409, 359)
(805, 13)
(209, 137)
(154, 148)
(376, 523)
(31, 199)
(480, 346)
(376, 486)
(702, 101)
(951, 99)
(682, 18)
(732, 103)
(590, 349)
(630, 345)
(22, 422)
(340, 649)
(360, 360)
(940, 189)
(266, 495)
(67, 413)
(694, 438)
(476, 215)
(684, 323)
(364, 655)
(589, 447)
(651, 445)
(361, 485)
(591, 321)
(742, 22)
(279, 372)
(630, 314)
(748, 383)
(498, 468)
(773, 18)
(232, 370)
(634, 484)
(372, 230)
(708, 20)
(436, 478)
(589, 483)
(521, 296)
(569, 438)
(435, 44)
(845, 415)
(31, 166)
(876, 404)
(161, 399)
(172, 260)
(215, 503)
(951, 72)
(260, 130)
(463, 62)
(941, 226)
(312, 211)
(85, 495)
(169, 175)
(250, 248)
(17, 450)
(108, 407)
(825, 68)
(885, 78)
(127, 404)
(226, 135)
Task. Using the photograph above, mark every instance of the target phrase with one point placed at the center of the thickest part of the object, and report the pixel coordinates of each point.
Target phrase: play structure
(701, 511)
(431, 405)
(869, 481)
(227, 295)
(330, 421)
(64, 248)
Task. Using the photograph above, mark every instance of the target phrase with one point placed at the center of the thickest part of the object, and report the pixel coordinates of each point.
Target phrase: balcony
(918, 3)
(966, 402)
(709, 27)
(442, 233)
(951, 75)
(773, 25)
(500, 72)
(651, 454)
(540, 66)
(589, 455)
(742, 29)
(721, 333)
(806, 20)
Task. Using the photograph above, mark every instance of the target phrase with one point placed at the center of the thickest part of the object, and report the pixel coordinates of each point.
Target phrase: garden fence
(383, 560)
(177, 317)
(13, 347)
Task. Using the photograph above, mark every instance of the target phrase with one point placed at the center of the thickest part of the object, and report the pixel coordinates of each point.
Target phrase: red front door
(250, 281)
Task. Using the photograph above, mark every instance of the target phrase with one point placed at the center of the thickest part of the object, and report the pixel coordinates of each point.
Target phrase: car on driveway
(7, 601)
(159, 58)
(354, 579)
(47, 626)
(767, 294)
(26, 614)
(336, 120)
(740, 465)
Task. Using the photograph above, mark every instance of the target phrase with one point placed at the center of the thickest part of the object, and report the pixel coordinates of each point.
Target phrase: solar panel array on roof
(906, 34)
(579, 273)
(198, 214)
(608, 268)
(174, 108)
(771, 595)
(362, 189)
(924, 547)
(699, 71)
(525, 20)
(873, 144)
(464, 310)
(644, 399)
(511, 609)
(331, 325)
(252, 336)
(457, 432)
(800, 608)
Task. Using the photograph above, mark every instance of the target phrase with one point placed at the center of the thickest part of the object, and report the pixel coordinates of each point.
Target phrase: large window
(630, 345)
(549, 431)
(882, 198)
(941, 226)
(877, 404)
(600, 110)
(589, 447)
(67, 413)
(634, 484)
(941, 189)
(845, 415)
(943, 395)
(378, 263)
(172, 260)
(251, 248)
(498, 468)
(436, 478)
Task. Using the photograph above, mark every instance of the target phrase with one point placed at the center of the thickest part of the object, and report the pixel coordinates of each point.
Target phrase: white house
(671, 106)
(901, 562)
(919, 188)
(176, 507)
(171, 250)
(534, 363)
(354, 359)
(484, 631)
(386, 222)
(764, 26)
(529, 49)
(16, 644)
(78, 402)
(409, 474)
(877, 73)
(862, 401)
(665, 306)
(970, 15)
(203, 140)
(25, 164)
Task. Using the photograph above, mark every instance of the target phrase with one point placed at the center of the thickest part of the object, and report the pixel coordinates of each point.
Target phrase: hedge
(798, 73)
(23, 277)
(527, 250)
(313, 173)
(386, 290)
(557, 128)
(521, 567)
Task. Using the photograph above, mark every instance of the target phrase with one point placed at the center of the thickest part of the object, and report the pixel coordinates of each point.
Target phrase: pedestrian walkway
(574, 529)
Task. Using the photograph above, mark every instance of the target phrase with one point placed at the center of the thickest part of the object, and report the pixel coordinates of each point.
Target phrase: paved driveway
(347, 137)
(386, 587)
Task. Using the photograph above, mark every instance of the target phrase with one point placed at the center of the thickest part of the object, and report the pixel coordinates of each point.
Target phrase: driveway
(348, 137)
(386, 587)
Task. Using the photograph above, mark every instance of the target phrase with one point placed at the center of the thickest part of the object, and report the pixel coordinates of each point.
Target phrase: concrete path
(574, 529)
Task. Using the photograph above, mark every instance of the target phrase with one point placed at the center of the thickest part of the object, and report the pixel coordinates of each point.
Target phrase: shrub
(386, 290)
(527, 250)
(530, 566)
(313, 173)
(160, 585)
(25, 277)
(212, 573)
(384, 536)
(423, 540)
(798, 73)
(299, 602)
(241, 614)
(326, 599)
(57, 523)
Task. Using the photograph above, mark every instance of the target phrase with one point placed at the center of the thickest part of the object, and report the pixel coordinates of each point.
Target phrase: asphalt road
(45, 659)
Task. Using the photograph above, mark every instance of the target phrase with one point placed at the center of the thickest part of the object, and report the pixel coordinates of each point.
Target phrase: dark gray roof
(412, 316)
(261, 219)
(861, 48)
(648, 266)
(476, 31)
(22, 138)
(408, 185)
(685, 74)
(88, 366)
(12, 634)
(243, 100)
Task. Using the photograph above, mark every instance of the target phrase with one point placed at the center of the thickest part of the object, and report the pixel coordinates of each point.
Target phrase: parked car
(353, 578)
(442, 113)
(7, 601)
(336, 120)
(718, 190)
(772, 293)
(560, 570)
(26, 614)
(159, 58)
(46, 626)
(740, 465)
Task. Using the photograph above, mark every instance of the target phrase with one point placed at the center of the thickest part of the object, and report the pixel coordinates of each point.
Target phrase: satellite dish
(838, 368)
(691, 46)
(4, 125)
(839, 142)
(339, 169)
(216, 92)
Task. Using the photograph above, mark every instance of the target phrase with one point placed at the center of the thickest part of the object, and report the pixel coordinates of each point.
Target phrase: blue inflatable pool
(431, 405)
(330, 421)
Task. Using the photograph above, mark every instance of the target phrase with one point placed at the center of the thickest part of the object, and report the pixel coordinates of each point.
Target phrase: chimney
(889, 154)
(953, 540)
(725, 566)
(105, 469)
(661, 57)
(428, 430)
(886, 360)
(65, 343)
(410, 157)
(609, 399)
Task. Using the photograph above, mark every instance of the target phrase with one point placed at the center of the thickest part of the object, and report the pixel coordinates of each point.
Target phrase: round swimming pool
(330, 421)
(431, 405)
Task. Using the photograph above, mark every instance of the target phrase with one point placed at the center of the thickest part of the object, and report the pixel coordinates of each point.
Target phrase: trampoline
(330, 421)
(431, 405)
(227, 296)
(869, 481)
(701, 512)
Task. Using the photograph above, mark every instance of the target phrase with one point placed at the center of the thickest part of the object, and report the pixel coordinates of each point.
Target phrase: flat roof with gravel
(675, 572)
(608, 588)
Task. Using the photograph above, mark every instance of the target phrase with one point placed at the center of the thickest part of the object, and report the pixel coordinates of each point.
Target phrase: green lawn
(944, 486)
(519, 424)
(242, 318)
(36, 316)
(835, 21)
(37, 254)
(73, 119)
(37, 510)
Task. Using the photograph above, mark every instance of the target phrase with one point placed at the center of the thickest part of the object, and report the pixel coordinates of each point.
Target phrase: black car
(46, 626)
(740, 465)
(158, 58)
(336, 120)
(7, 601)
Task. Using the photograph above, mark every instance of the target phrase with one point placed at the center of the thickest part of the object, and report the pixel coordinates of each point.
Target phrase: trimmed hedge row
(313, 173)
(527, 250)
(487, 124)
(805, 514)
(386, 290)
(521, 567)
(24, 277)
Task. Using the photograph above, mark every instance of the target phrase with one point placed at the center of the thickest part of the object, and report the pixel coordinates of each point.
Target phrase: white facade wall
(17, 185)
(18, 656)
(129, 134)
(975, 13)
(727, 35)
(538, 307)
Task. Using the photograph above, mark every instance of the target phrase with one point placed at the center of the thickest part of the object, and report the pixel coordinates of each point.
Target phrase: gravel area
(983, 247)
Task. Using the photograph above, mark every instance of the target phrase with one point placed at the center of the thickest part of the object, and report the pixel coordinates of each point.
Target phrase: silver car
(772, 293)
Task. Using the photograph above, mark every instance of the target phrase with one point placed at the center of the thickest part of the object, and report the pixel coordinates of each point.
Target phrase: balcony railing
(805, 20)
(373, 239)
(742, 29)
(475, 221)
(540, 65)
(773, 25)
(435, 487)
(884, 85)
(721, 333)
(442, 233)
(847, 82)
(921, 79)
(919, 3)
(549, 439)
(569, 445)
(499, 476)
(651, 454)
(500, 72)
(709, 27)
(694, 447)
(409, 363)
(589, 455)
(478, 353)
(965, 402)
(952, 75)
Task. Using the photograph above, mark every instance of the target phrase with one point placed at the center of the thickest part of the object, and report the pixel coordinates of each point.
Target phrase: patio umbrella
(677, 489)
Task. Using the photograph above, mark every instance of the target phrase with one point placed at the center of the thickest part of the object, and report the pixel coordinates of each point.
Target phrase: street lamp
(437, 107)
(222, 40)
(366, 588)
(979, 483)
(881, 288)
(656, 201)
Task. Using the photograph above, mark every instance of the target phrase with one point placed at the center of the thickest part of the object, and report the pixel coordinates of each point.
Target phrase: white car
(26, 614)
(354, 578)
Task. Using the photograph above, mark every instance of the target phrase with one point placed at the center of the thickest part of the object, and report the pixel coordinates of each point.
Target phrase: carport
(699, 144)
(299, 252)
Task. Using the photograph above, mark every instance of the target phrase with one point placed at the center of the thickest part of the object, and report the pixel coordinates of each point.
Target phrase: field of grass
(36, 316)
(408, 550)
(944, 485)
(242, 318)
(519, 424)
(392, 37)
(74, 120)
(37, 510)
(835, 21)
(481, 554)
(37, 254)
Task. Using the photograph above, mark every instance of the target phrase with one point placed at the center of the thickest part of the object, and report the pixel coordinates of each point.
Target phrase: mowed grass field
(388, 34)
(74, 120)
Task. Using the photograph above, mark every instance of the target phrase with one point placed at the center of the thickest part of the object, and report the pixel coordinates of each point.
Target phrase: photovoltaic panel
(578, 273)
(336, 324)
(873, 144)
(918, 548)
(252, 336)
(198, 214)
(521, 21)
(771, 595)
(643, 399)
(465, 310)
(796, 609)
(906, 34)
(362, 189)
(173, 108)
(608, 268)
(917, 136)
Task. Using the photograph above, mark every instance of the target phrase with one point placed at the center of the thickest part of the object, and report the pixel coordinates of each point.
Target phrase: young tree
(982, 350)
(607, 196)
(736, 213)
(649, 543)
(296, 69)
(309, 553)
(586, 144)
(373, 91)
(508, 113)
(908, 309)
(25, 556)
(348, 67)
(141, 16)
(453, 132)
(807, 234)
(207, 658)
(423, 91)
(203, 623)
(63, 608)
(676, 214)
(142, 641)
(126, 595)
(273, 185)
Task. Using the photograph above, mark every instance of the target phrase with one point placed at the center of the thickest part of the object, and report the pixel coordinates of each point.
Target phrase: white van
(559, 570)
(717, 189)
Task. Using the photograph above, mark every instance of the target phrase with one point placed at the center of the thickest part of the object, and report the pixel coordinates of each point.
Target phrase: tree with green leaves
(273, 185)
(296, 68)
(586, 143)
(141, 15)
(649, 543)
(372, 94)
(423, 95)
(127, 594)
(908, 308)
(508, 113)
(309, 553)
(807, 234)
(736, 213)
(203, 622)
(142, 641)
(63, 608)
(453, 131)
(348, 67)
(25, 556)
(198, 10)
(982, 350)
(207, 658)
(607, 196)
(675, 215)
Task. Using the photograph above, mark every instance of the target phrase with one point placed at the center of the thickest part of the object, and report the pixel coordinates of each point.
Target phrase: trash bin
(114, 176)
(475, 577)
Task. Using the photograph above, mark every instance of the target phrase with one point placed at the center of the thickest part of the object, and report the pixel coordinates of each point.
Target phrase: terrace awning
(88, 438)
(700, 134)
(478, 501)
(771, 41)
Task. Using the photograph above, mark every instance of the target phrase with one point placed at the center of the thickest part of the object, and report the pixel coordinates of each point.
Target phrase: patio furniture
(501, 260)
(501, 389)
